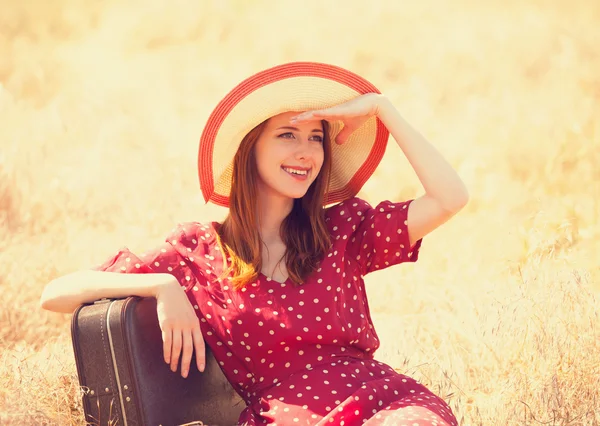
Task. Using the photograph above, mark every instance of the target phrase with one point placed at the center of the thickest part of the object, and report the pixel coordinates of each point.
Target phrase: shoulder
(347, 216)
(360, 208)
(344, 218)
(194, 236)
(348, 209)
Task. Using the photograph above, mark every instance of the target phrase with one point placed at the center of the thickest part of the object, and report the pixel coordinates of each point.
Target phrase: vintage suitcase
(125, 381)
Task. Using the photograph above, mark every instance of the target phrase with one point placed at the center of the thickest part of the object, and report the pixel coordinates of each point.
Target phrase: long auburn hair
(303, 231)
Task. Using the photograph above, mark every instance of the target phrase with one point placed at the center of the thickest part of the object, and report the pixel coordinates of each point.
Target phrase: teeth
(296, 172)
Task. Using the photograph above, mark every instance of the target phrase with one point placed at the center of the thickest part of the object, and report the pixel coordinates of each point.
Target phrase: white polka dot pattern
(302, 354)
(381, 237)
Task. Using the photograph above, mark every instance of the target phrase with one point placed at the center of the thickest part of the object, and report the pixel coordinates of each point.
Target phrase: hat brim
(297, 86)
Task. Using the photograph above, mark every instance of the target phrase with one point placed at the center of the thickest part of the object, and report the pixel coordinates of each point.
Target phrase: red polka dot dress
(302, 355)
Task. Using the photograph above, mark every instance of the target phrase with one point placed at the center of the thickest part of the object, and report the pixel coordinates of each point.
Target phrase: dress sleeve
(380, 237)
(178, 255)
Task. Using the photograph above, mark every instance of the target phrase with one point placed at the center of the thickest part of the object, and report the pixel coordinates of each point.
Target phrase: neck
(272, 210)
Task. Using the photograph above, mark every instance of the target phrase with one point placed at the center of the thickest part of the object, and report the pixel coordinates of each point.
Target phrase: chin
(292, 193)
(295, 194)
(287, 191)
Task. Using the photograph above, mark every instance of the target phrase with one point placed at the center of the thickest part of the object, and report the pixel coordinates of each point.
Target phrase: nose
(305, 150)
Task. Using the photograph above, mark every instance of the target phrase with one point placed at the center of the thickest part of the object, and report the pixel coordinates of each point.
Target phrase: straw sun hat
(296, 86)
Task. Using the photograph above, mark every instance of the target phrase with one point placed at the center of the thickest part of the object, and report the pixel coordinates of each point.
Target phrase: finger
(199, 348)
(186, 356)
(344, 134)
(176, 349)
(338, 112)
(167, 339)
(319, 114)
(316, 116)
(330, 113)
(304, 117)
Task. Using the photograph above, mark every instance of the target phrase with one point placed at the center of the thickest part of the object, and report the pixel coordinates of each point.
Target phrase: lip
(296, 167)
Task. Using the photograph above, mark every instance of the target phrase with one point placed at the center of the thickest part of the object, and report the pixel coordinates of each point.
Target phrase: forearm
(439, 179)
(66, 293)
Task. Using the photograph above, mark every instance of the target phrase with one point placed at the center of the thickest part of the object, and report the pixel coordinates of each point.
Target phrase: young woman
(277, 289)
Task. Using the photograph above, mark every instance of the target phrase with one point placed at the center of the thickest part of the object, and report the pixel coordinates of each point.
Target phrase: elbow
(462, 199)
(457, 202)
(50, 301)
(48, 305)
(44, 304)
(47, 302)
(55, 305)
(45, 299)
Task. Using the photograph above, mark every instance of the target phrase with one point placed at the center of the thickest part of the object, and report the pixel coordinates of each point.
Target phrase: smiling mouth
(296, 173)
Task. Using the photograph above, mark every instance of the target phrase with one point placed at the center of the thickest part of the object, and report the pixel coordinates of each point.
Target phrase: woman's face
(288, 156)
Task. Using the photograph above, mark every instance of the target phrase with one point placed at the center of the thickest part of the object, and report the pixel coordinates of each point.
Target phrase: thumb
(343, 135)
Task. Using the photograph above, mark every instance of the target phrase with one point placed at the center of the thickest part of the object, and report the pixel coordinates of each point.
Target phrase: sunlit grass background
(102, 104)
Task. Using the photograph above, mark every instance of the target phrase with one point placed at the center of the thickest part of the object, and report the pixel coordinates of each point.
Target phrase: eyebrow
(296, 129)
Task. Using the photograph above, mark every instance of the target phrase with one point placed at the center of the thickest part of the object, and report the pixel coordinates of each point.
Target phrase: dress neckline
(262, 275)
(217, 225)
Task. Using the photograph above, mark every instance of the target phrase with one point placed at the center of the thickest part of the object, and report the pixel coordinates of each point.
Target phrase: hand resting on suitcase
(180, 328)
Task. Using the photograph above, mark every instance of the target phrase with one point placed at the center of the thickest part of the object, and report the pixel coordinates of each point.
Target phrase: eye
(286, 135)
(318, 138)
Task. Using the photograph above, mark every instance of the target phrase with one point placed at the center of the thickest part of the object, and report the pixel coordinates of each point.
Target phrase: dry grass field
(102, 104)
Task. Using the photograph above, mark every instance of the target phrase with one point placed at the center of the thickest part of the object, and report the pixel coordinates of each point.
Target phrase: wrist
(167, 282)
(382, 105)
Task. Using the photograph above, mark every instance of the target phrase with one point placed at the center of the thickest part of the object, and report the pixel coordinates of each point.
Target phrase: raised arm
(445, 193)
